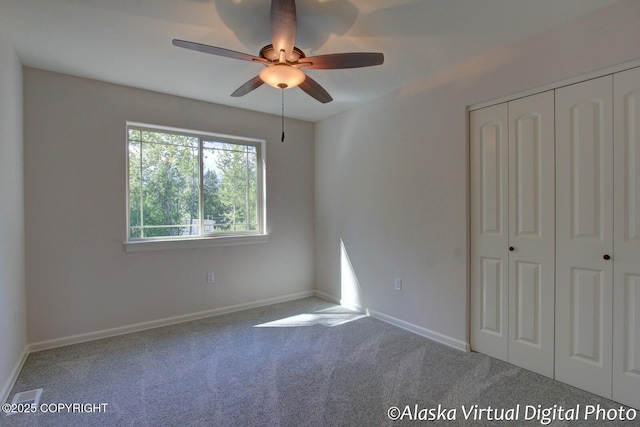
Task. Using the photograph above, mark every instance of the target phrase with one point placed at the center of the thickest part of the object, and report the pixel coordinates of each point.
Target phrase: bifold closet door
(584, 235)
(512, 249)
(532, 232)
(489, 230)
(626, 255)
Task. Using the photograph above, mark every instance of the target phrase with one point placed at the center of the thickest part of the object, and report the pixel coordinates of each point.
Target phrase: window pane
(230, 187)
(169, 186)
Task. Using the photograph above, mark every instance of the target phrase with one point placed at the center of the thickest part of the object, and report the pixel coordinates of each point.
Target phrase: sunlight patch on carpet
(334, 316)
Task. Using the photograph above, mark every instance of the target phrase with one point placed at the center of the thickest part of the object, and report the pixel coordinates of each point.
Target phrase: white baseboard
(6, 388)
(435, 336)
(326, 297)
(105, 333)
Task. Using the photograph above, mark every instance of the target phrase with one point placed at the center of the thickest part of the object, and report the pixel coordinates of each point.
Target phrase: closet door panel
(532, 232)
(626, 260)
(489, 230)
(584, 235)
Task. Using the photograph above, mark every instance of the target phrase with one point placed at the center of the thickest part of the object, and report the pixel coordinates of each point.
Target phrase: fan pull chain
(282, 90)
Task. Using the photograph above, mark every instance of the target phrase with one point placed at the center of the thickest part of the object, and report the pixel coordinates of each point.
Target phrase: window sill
(197, 243)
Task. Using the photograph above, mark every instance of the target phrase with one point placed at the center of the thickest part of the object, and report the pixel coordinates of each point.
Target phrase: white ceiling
(129, 42)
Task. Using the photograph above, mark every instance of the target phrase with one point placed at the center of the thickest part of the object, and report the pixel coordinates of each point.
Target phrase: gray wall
(392, 175)
(80, 279)
(13, 335)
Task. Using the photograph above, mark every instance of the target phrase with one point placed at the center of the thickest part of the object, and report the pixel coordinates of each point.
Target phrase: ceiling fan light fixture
(282, 76)
(283, 59)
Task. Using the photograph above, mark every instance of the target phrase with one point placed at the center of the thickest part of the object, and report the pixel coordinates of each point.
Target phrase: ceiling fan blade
(313, 89)
(283, 26)
(213, 50)
(342, 60)
(252, 84)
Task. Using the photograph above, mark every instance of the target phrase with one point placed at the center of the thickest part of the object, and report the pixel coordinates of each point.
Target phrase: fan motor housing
(270, 54)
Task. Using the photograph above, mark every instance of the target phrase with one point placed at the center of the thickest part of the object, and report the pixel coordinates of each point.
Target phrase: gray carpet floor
(300, 363)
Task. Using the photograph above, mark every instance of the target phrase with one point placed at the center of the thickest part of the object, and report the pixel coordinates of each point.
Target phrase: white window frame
(208, 239)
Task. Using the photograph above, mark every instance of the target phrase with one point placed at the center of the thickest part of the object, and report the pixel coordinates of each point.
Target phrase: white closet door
(532, 232)
(489, 230)
(584, 235)
(626, 262)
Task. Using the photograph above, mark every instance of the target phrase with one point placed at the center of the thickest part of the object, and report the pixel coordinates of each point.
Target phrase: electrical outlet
(398, 284)
(210, 277)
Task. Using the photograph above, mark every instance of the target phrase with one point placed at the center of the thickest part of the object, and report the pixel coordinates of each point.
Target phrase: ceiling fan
(283, 61)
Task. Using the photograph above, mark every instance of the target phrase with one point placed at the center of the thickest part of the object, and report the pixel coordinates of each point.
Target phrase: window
(185, 185)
